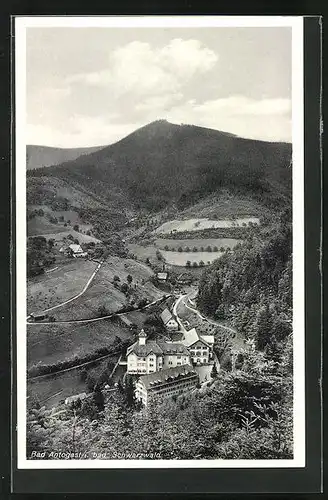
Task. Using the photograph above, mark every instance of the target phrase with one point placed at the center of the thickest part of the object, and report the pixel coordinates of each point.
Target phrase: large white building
(150, 356)
(200, 347)
(167, 383)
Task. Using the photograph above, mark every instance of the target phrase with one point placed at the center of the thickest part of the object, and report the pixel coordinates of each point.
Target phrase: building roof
(173, 348)
(162, 276)
(158, 348)
(209, 339)
(75, 248)
(166, 316)
(191, 337)
(159, 378)
(143, 350)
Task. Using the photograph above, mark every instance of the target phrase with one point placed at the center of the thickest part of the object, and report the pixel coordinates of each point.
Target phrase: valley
(137, 209)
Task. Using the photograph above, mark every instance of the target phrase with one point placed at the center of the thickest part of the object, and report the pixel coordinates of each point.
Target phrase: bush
(215, 249)
(194, 264)
(201, 263)
(76, 227)
(188, 263)
(209, 248)
(194, 249)
(180, 249)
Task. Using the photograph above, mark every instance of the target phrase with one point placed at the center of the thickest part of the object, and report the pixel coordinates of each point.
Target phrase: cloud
(145, 71)
(263, 119)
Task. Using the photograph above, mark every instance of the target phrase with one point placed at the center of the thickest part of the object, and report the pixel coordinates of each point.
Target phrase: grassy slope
(50, 289)
(53, 343)
(103, 293)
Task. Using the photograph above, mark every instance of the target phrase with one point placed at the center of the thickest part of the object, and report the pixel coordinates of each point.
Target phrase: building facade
(169, 322)
(200, 350)
(168, 383)
(150, 356)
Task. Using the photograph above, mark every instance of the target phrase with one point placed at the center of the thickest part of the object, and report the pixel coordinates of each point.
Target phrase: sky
(94, 86)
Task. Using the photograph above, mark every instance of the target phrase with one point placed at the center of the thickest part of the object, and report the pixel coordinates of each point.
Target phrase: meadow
(103, 293)
(52, 288)
(58, 342)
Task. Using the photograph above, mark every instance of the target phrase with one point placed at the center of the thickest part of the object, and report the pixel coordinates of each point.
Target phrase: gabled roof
(191, 337)
(166, 316)
(76, 248)
(158, 348)
(158, 378)
(143, 350)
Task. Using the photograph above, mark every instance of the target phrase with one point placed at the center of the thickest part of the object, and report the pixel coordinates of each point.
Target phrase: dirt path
(76, 296)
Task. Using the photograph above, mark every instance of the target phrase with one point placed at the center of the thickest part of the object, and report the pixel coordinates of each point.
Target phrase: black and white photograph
(160, 282)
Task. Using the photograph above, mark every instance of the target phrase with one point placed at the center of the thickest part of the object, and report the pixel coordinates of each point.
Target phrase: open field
(199, 224)
(59, 342)
(224, 206)
(174, 244)
(181, 258)
(63, 233)
(63, 283)
(143, 252)
(102, 292)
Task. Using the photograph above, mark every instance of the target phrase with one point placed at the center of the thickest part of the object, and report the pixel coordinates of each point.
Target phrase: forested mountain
(43, 156)
(252, 287)
(163, 163)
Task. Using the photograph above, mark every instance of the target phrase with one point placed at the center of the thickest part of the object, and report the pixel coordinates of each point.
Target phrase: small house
(76, 250)
(38, 316)
(169, 322)
(162, 277)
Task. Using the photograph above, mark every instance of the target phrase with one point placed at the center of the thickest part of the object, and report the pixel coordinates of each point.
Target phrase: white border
(296, 23)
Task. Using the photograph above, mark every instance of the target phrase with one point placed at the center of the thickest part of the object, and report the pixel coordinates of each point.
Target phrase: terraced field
(199, 224)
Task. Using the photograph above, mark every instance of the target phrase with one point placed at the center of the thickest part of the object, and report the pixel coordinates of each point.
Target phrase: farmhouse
(38, 316)
(162, 277)
(149, 356)
(76, 251)
(168, 383)
(201, 352)
(169, 322)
